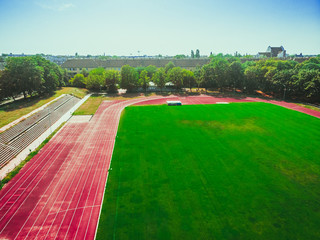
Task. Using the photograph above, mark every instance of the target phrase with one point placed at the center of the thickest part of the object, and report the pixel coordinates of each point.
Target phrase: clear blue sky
(167, 27)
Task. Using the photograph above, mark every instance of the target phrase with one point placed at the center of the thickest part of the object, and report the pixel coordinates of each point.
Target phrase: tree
(188, 79)
(22, 76)
(198, 77)
(180, 56)
(129, 78)
(306, 84)
(282, 81)
(144, 80)
(151, 69)
(207, 76)
(84, 72)
(112, 79)
(236, 74)
(78, 81)
(159, 78)
(169, 66)
(96, 79)
(52, 75)
(252, 76)
(197, 53)
(192, 54)
(221, 72)
(175, 75)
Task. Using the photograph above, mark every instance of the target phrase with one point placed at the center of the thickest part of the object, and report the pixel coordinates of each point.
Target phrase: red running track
(206, 99)
(58, 194)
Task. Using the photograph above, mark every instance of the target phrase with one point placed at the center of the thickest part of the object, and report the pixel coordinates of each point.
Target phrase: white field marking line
(26, 196)
(106, 179)
(97, 140)
(112, 110)
(21, 203)
(103, 160)
(92, 135)
(81, 139)
(100, 162)
(72, 209)
(49, 148)
(118, 119)
(32, 165)
(87, 162)
(61, 146)
(77, 144)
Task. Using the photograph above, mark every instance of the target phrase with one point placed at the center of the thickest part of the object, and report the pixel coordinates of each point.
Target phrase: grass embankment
(16, 170)
(237, 171)
(12, 111)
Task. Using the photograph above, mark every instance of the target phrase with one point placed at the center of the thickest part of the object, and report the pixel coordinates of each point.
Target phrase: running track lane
(58, 194)
(206, 99)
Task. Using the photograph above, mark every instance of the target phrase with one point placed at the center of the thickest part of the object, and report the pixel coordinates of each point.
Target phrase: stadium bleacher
(17, 138)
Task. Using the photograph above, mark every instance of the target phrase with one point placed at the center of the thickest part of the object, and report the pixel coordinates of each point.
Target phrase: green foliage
(159, 78)
(84, 72)
(197, 53)
(22, 75)
(151, 69)
(207, 76)
(52, 75)
(192, 54)
(78, 81)
(175, 75)
(112, 80)
(198, 75)
(96, 79)
(253, 76)
(188, 79)
(180, 56)
(236, 74)
(144, 80)
(129, 78)
(169, 66)
(221, 72)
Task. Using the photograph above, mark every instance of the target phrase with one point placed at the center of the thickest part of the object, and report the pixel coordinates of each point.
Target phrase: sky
(151, 27)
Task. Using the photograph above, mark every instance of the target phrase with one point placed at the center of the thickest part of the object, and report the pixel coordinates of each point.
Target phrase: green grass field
(237, 171)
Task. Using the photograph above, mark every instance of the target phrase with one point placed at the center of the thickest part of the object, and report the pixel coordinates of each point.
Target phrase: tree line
(280, 78)
(30, 76)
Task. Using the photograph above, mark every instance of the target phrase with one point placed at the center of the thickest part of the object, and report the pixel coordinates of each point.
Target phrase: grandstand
(17, 138)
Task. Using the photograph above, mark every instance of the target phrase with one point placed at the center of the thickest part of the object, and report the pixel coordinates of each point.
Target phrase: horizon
(124, 28)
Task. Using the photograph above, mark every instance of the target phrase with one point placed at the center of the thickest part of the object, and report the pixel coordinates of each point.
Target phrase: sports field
(235, 171)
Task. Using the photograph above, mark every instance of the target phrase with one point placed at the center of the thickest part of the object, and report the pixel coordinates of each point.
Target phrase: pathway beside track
(59, 193)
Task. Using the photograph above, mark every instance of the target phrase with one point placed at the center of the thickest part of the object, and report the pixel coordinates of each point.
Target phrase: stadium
(205, 168)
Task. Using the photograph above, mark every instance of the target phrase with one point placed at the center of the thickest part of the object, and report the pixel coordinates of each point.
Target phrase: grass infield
(236, 171)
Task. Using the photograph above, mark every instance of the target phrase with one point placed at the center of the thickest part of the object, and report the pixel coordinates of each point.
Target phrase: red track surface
(58, 194)
(205, 99)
